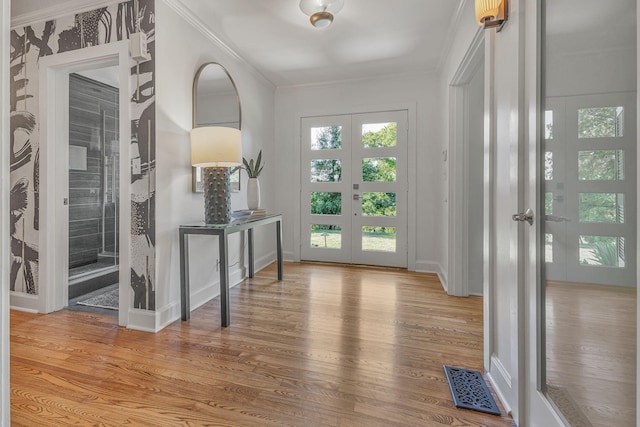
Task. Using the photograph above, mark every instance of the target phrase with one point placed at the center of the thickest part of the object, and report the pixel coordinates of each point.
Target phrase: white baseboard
(289, 256)
(20, 301)
(500, 381)
(264, 261)
(172, 311)
(142, 320)
(429, 267)
(433, 267)
(167, 315)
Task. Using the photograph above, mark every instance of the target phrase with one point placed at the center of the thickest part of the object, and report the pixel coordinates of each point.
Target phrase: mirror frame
(196, 185)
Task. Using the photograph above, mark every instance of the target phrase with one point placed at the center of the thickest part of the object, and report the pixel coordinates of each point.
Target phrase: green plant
(253, 168)
(605, 254)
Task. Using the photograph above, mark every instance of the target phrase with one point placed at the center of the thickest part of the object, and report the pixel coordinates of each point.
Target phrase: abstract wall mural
(28, 44)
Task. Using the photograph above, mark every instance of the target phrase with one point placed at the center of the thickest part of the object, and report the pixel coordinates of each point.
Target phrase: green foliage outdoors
(605, 254)
(373, 170)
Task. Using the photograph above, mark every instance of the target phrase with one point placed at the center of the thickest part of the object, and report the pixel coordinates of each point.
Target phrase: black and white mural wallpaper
(28, 44)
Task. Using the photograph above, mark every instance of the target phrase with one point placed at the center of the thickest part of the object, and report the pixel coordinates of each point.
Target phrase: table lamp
(216, 149)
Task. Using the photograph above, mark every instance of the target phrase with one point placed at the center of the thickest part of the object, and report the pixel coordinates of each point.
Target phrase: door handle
(556, 218)
(527, 216)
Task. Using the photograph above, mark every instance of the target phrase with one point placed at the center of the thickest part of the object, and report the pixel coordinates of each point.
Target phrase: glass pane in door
(589, 234)
(602, 122)
(326, 236)
(379, 204)
(378, 239)
(326, 170)
(379, 135)
(379, 169)
(326, 138)
(326, 203)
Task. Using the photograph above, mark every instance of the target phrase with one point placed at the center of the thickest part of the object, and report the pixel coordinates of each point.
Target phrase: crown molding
(57, 11)
(451, 34)
(179, 7)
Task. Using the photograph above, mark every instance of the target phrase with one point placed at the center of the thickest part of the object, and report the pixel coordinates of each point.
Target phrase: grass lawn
(371, 241)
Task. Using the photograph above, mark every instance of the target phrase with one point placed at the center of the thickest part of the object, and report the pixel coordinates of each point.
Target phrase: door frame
(5, 17)
(412, 167)
(54, 107)
(459, 140)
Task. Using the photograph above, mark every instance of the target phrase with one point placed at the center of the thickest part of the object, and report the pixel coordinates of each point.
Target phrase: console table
(223, 231)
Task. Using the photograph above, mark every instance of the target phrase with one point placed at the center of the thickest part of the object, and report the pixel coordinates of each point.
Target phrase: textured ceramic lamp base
(217, 196)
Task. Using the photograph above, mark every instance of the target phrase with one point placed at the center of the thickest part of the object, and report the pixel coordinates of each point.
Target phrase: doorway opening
(467, 168)
(93, 177)
(70, 194)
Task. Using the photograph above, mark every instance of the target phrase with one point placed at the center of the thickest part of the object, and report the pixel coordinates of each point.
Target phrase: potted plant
(253, 168)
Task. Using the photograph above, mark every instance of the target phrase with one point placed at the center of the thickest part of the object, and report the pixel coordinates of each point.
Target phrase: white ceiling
(368, 38)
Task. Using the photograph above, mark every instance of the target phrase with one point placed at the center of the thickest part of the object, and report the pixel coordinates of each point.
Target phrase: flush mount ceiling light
(492, 13)
(321, 12)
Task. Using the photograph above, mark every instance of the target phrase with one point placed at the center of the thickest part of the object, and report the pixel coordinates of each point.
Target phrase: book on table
(248, 213)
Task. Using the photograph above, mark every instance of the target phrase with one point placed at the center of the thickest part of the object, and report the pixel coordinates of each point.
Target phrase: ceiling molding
(58, 11)
(410, 74)
(192, 19)
(451, 34)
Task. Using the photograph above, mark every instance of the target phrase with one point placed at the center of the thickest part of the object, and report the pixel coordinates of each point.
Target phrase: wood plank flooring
(330, 346)
(591, 352)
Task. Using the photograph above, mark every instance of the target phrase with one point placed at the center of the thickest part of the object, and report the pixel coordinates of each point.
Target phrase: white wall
(4, 212)
(419, 91)
(181, 50)
(571, 72)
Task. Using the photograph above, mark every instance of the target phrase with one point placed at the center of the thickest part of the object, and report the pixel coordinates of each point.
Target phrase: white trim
(451, 35)
(5, 251)
(182, 10)
(53, 73)
(425, 266)
(24, 302)
(142, 320)
(459, 140)
(637, 220)
(497, 388)
(57, 11)
(354, 80)
(489, 177)
(289, 256)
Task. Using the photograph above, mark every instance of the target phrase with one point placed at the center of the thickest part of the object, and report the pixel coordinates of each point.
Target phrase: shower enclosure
(93, 182)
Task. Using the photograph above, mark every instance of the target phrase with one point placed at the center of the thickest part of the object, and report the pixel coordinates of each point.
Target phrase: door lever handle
(527, 216)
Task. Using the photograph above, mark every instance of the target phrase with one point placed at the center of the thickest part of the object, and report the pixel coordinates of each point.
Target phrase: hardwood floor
(330, 346)
(591, 352)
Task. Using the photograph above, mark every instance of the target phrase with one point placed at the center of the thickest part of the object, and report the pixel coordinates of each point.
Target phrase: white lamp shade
(216, 146)
(487, 9)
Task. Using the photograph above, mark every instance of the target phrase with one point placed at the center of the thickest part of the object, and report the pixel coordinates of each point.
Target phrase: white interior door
(354, 188)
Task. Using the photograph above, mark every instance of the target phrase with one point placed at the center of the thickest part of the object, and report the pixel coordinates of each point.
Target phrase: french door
(354, 188)
(590, 189)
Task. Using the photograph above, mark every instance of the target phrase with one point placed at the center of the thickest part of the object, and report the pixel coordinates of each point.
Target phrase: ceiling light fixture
(492, 13)
(321, 12)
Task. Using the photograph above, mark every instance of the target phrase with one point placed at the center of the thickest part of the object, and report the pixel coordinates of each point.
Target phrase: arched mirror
(215, 103)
